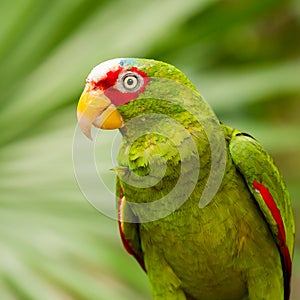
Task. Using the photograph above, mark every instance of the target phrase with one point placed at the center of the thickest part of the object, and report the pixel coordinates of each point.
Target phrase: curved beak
(94, 108)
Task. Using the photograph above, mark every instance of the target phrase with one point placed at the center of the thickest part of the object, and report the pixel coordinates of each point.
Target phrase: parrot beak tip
(85, 125)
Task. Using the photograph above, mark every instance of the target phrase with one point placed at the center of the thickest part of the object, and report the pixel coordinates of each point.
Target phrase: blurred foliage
(243, 56)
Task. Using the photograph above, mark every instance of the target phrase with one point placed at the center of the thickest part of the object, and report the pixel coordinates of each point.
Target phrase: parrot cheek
(118, 98)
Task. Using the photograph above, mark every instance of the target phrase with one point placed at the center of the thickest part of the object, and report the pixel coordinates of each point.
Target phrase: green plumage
(229, 249)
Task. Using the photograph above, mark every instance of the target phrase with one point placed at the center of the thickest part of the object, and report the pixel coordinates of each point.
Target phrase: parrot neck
(161, 156)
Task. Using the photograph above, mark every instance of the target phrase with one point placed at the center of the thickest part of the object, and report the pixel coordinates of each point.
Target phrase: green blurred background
(242, 55)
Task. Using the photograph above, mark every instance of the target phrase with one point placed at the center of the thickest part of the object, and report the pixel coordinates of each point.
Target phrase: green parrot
(201, 206)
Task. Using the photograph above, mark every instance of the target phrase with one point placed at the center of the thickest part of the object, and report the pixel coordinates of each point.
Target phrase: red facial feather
(109, 80)
(116, 96)
(281, 242)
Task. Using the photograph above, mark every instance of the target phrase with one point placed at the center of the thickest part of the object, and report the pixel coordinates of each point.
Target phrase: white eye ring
(130, 82)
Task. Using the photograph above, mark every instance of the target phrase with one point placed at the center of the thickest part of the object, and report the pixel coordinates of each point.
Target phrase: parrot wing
(267, 187)
(130, 232)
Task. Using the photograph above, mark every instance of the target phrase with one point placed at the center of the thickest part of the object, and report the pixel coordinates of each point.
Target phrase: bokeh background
(242, 55)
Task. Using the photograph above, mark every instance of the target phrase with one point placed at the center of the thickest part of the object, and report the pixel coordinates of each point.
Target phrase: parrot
(201, 206)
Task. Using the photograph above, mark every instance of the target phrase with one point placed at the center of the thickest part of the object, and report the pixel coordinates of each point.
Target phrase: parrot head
(113, 85)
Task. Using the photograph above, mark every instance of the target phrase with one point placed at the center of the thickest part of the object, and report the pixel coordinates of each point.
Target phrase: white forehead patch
(101, 70)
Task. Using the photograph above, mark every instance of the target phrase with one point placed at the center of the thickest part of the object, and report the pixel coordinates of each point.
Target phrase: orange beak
(94, 108)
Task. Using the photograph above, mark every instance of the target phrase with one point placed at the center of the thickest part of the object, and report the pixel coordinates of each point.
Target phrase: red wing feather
(281, 236)
(127, 242)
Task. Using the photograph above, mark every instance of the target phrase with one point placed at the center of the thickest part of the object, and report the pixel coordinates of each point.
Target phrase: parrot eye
(130, 82)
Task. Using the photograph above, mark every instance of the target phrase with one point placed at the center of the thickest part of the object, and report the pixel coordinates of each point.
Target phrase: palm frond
(244, 57)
